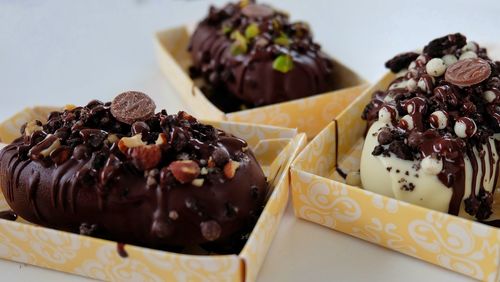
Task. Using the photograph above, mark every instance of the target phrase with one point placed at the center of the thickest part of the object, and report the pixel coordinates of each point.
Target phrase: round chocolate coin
(468, 72)
(132, 106)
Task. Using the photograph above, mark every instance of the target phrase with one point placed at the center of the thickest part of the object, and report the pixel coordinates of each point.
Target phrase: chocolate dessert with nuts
(251, 55)
(433, 137)
(120, 171)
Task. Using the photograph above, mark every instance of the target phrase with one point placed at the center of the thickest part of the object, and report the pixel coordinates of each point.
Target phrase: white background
(59, 52)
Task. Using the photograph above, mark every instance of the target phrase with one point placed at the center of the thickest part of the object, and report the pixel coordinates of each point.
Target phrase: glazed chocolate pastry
(251, 55)
(121, 172)
(433, 134)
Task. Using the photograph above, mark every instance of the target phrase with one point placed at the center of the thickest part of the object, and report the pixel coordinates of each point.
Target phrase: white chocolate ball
(468, 55)
(411, 84)
(435, 67)
(470, 46)
(409, 121)
(440, 118)
(431, 165)
(449, 59)
(460, 127)
(489, 96)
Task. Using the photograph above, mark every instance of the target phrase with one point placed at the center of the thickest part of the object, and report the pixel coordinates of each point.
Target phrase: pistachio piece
(283, 63)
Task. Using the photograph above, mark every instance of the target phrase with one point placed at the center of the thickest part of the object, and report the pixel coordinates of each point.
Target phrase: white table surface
(59, 52)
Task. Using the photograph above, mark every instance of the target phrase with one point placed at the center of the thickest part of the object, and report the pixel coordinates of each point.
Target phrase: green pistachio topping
(252, 30)
(283, 63)
(226, 29)
(240, 45)
(282, 40)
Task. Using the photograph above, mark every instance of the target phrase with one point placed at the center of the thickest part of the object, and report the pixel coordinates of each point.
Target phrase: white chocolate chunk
(468, 55)
(411, 84)
(449, 59)
(470, 46)
(409, 121)
(435, 67)
(489, 96)
(441, 118)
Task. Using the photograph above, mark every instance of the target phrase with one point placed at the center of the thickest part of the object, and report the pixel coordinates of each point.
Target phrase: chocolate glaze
(423, 95)
(8, 215)
(248, 78)
(101, 188)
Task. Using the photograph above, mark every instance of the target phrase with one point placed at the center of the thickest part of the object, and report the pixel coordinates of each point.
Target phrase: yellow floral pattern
(309, 115)
(461, 245)
(275, 147)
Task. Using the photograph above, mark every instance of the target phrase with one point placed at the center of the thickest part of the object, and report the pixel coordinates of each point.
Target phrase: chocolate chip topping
(158, 180)
(448, 44)
(401, 61)
(132, 106)
(444, 106)
(468, 72)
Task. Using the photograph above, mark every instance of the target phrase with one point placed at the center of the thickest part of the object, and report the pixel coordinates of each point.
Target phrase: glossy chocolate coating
(98, 189)
(249, 78)
(417, 97)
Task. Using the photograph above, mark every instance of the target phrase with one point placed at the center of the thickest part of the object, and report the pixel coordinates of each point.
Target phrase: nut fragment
(32, 126)
(145, 157)
(230, 169)
(162, 139)
(130, 142)
(69, 107)
(198, 182)
(184, 171)
(112, 138)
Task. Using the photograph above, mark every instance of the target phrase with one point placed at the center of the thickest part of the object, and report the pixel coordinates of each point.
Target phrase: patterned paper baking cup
(320, 195)
(309, 115)
(23, 242)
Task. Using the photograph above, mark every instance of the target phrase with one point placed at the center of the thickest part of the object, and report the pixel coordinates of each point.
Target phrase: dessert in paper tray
(118, 191)
(422, 144)
(248, 62)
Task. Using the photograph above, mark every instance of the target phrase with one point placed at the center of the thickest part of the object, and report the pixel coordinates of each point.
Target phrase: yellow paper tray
(309, 115)
(319, 195)
(23, 242)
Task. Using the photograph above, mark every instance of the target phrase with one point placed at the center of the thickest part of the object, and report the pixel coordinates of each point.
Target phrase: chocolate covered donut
(433, 137)
(121, 172)
(251, 55)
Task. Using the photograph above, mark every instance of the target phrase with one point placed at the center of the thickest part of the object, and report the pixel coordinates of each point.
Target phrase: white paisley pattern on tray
(107, 265)
(326, 206)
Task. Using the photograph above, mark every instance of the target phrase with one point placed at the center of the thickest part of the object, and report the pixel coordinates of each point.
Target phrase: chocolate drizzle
(113, 183)
(451, 123)
(237, 56)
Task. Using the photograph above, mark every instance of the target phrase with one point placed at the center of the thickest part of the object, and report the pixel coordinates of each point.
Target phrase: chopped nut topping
(31, 127)
(184, 171)
(198, 182)
(162, 139)
(130, 142)
(230, 169)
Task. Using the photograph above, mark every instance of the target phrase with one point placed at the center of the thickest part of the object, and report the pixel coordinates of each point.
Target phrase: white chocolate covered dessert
(433, 134)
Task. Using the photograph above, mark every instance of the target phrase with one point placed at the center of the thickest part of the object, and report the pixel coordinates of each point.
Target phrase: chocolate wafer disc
(468, 72)
(132, 106)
